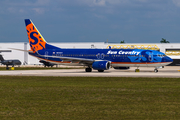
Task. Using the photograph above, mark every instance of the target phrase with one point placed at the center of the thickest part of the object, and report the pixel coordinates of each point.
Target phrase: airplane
(9, 62)
(97, 59)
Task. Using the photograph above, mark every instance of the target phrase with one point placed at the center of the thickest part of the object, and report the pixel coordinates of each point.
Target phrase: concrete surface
(168, 71)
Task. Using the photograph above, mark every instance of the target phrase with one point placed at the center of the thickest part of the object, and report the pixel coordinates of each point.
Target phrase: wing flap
(75, 60)
(72, 59)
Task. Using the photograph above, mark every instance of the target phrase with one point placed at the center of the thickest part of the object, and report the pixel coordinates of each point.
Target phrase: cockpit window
(161, 55)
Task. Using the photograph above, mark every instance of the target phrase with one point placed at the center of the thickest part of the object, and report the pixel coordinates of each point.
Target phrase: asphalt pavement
(168, 71)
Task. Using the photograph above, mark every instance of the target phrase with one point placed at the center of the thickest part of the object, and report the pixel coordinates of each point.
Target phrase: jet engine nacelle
(101, 65)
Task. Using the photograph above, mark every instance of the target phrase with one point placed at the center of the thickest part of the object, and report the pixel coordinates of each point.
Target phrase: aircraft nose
(168, 59)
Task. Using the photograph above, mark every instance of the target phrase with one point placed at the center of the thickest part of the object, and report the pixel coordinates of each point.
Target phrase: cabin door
(46, 55)
(150, 58)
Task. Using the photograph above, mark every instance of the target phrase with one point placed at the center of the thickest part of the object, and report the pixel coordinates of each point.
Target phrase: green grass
(89, 98)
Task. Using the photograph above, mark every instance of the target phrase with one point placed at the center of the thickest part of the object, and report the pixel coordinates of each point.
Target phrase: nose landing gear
(155, 70)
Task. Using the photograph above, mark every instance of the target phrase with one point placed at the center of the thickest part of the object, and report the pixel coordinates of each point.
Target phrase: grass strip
(89, 98)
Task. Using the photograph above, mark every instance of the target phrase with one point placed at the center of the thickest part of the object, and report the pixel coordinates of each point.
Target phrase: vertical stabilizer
(1, 58)
(36, 40)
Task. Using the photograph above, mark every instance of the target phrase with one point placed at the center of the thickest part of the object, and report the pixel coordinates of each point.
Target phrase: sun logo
(36, 41)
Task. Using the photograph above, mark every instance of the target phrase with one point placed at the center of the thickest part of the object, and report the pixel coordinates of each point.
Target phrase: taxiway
(168, 71)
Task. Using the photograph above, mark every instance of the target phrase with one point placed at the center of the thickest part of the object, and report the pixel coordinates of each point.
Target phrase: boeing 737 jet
(97, 59)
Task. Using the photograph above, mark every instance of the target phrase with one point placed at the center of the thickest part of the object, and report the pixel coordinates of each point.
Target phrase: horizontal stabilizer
(21, 50)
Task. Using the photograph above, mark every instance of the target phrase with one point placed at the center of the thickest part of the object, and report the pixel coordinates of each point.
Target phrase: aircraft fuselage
(118, 57)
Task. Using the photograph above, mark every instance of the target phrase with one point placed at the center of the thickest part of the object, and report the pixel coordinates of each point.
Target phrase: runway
(168, 71)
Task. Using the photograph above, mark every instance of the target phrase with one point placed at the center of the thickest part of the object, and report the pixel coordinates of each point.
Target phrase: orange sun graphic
(36, 41)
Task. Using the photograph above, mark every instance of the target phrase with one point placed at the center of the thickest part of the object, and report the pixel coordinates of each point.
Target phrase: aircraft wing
(74, 59)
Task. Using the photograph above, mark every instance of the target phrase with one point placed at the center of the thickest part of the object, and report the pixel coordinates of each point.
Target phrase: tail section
(1, 58)
(36, 40)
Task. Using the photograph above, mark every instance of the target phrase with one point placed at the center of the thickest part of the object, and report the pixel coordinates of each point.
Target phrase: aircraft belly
(129, 65)
(164, 64)
(140, 64)
(71, 64)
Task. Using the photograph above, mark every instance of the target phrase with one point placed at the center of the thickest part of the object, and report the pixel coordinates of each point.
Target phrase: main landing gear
(100, 70)
(7, 68)
(88, 69)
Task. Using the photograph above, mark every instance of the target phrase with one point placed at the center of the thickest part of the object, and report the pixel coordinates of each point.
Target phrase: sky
(134, 21)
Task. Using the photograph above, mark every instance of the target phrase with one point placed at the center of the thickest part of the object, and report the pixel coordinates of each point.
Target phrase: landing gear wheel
(88, 69)
(7, 68)
(155, 70)
(100, 70)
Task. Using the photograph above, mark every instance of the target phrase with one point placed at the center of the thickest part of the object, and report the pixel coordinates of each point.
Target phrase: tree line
(162, 41)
